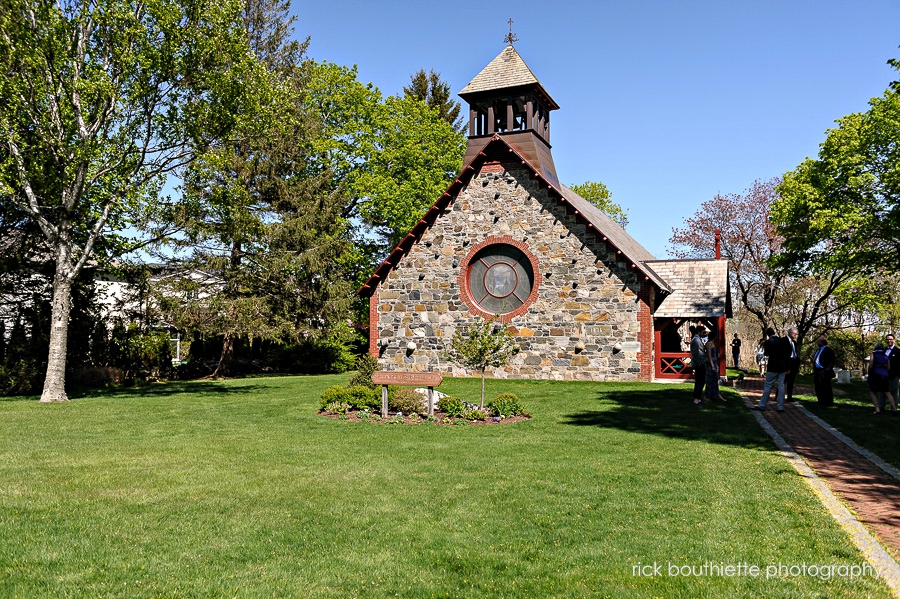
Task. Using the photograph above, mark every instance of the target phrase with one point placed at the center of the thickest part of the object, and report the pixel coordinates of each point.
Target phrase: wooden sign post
(406, 379)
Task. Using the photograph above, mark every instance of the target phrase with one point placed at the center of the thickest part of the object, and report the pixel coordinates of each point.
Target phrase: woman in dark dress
(878, 377)
(712, 370)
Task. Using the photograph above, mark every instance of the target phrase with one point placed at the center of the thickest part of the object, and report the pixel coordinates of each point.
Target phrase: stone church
(583, 299)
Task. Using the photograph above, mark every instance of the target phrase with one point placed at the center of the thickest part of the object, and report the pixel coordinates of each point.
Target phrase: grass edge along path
(238, 488)
(875, 553)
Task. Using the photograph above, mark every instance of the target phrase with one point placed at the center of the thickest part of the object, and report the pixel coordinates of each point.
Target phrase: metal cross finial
(510, 37)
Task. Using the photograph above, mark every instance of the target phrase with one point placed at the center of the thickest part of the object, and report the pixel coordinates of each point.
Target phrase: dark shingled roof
(699, 288)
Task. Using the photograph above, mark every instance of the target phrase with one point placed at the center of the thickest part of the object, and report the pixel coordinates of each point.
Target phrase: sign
(409, 379)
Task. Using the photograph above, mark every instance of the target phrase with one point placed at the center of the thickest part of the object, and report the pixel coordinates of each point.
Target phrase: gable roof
(505, 71)
(606, 229)
(700, 288)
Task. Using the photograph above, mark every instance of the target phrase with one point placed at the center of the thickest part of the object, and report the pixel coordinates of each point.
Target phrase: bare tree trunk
(55, 381)
(482, 388)
(225, 356)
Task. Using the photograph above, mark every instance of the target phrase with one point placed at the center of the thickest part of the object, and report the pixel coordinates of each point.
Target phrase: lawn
(238, 489)
(852, 415)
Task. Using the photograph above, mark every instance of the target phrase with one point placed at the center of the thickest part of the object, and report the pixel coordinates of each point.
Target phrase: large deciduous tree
(394, 156)
(102, 98)
(842, 210)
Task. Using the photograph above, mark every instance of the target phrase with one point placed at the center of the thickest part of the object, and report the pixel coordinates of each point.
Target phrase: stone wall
(585, 303)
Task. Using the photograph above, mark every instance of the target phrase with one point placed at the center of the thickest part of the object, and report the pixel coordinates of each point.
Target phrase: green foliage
(406, 400)
(362, 397)
(333, 394)
(396, 419)
(394, 156)
(506, 404)
(851, 347)
(461, 422)
(430, 89)
(337, 408)
(314, 355)
(599, 195)
(100, 100)
(841, 211)
(451, 406)
(473, 414)
(366, 365)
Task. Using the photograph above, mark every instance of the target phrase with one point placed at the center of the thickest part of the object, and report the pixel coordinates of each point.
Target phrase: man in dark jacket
(823, 370)
(893, 354)
(778, 353)
(793, 363)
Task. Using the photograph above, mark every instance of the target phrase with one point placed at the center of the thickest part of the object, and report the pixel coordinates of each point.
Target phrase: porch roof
(700, 288)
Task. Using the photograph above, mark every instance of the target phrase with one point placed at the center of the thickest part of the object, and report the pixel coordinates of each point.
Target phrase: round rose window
(500, 278)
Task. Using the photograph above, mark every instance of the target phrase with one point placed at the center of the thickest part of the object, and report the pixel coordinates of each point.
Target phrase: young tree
(485, 343)
(100, 100)
(599, 195)
(429, 88)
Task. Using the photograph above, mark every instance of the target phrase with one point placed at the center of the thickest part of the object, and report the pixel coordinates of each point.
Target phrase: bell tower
(506, 99)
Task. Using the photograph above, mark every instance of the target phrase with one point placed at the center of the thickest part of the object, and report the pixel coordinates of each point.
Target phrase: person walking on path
(793, 364)
(778, 353)
(698, 361)
(712, 370)
(879, 368)
(823, 372)
(736, 351)
(893, 354)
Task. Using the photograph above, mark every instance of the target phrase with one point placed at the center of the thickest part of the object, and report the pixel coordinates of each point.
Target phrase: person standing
(736, 351)
(879, 365)
(712, 370)
(761, 357)
(698, 362)
(777, 354)
(823, 372)
(793, 364)
(893, 354)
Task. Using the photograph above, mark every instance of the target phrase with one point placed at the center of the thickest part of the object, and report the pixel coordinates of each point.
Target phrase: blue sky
(667, 103)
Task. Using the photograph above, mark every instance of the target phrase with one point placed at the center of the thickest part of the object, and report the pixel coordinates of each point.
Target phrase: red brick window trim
(465, 269)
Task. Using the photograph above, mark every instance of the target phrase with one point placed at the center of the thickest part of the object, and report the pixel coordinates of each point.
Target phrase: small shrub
(397, 419)
(364, 415)
(337, 407)
(461, 422)
(361, 397)
(451, 406)
(506, 404)
(365, 366)
(334, 394)
(407, 401)
(473, 414)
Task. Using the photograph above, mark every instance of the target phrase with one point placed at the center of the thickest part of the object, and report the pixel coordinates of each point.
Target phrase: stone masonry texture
(586, 297)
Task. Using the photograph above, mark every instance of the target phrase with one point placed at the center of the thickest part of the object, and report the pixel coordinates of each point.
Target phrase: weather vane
(510, 37)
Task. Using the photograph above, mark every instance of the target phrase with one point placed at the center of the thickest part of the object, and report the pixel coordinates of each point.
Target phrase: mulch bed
(441, 419)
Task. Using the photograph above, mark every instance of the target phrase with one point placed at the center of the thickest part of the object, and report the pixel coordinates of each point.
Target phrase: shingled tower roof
(507, 70)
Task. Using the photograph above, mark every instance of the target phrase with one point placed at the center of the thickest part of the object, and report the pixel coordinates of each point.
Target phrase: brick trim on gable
(463, 278)
(373, 324)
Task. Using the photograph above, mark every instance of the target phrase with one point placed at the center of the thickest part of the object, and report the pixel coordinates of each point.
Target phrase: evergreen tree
(436, 94)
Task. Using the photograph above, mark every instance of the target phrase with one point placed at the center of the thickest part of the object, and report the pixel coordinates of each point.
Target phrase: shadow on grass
(671, 413)
(197, 388)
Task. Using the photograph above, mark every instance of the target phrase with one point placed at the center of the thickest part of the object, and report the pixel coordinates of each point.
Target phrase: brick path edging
(888, 468)
(874, 552)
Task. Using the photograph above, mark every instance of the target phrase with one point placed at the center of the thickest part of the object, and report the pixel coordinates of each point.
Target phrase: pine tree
(436, 94)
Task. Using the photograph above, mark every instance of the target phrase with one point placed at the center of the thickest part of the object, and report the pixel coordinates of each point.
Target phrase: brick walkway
(870, 493)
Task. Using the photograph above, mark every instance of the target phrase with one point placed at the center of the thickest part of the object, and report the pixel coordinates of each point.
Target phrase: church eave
(464, 177)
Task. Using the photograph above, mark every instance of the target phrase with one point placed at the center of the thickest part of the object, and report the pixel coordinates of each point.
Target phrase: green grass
(238, 489)
(852, 415)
